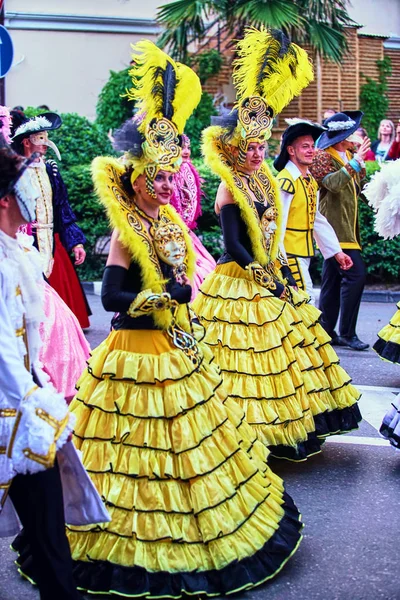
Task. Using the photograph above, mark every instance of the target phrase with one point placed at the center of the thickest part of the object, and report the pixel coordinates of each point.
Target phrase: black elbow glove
(231, 224)
(113, 297)
(231, 228)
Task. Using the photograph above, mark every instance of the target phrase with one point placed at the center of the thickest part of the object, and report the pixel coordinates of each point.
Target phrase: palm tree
(320, 23)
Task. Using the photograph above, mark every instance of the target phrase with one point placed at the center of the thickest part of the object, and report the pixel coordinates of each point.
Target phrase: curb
(94, 287)
(380, 296)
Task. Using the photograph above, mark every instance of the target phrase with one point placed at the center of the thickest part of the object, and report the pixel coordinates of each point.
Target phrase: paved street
(349, 495)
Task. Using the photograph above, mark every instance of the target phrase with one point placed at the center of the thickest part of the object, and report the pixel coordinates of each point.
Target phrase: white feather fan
(383, 195)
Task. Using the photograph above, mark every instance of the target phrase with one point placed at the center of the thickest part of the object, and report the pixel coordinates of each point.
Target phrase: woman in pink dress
(65, 348)
(187, 201)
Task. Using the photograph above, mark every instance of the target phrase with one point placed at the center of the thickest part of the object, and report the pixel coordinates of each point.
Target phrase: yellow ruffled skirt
(388, 343)
(345, 394)
(194, 508)
(275, 364)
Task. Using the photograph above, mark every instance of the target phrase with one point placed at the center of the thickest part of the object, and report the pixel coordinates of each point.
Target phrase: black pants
(342, 290)
(39, 504)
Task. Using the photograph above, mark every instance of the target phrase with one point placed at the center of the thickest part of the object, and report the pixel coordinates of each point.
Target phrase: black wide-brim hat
(292, 133)
(339, 127)
(23, 126)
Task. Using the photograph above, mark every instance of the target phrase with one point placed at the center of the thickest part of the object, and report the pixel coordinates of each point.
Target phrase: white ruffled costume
(34, 418)
(383, 194)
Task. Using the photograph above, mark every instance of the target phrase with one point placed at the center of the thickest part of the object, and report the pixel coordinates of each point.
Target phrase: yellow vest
(298, 240)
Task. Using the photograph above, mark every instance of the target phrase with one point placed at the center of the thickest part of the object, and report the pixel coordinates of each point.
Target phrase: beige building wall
(139, 9)
(65, 49)
(379, 17)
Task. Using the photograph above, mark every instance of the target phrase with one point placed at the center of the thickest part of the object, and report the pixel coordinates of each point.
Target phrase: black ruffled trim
(312, 445)
(103, 577)
(263, 374)
(389, 434)
(112, 376)
(148, 417)
(263, 351)
(337, 421)
(387, 350)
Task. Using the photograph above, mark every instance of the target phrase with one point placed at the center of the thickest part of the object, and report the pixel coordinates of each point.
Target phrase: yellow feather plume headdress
(166, 93)
(270, 66)
(269, 72)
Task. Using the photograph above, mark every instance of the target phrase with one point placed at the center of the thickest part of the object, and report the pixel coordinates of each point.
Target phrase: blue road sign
(6, 51)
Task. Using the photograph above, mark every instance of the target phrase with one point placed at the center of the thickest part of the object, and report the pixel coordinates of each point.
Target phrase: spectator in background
(394, 150)
(361, 132)
(386, 135)
(328, 113)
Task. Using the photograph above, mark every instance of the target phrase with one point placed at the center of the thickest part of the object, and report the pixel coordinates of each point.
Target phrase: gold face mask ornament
(268, 225)
(170, 246)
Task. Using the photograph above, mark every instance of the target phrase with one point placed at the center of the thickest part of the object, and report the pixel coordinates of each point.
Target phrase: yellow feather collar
(106, 173)
(217, 158)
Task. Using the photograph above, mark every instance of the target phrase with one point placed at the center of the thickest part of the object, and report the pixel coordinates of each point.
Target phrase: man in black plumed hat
(339, 171)
(302, 222)
(55, 229)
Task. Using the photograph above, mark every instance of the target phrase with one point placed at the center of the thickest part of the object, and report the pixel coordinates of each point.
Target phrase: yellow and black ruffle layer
(346, 415)
(194, 507)
(388, 343)
(271, 365)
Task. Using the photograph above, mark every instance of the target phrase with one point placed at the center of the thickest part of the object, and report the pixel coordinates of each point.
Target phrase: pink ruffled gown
(187, 201)
(65, 348)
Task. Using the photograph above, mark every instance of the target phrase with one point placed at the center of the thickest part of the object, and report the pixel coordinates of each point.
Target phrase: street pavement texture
(349, 495)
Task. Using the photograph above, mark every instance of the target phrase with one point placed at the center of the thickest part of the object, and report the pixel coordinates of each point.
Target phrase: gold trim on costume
(124, 217)
(8, 412)
(296, 271)
(47, 460)
(13, 434)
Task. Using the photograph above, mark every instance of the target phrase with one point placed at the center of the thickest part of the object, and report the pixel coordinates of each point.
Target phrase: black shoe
(335, 338)
(351, 342)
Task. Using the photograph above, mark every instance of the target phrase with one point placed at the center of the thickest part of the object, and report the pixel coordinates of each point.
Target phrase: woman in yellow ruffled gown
(274, 355)
(194, 508)
(388, 342)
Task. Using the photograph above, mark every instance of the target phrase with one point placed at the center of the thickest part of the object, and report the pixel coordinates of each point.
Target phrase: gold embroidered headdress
(268, 73)
(166, 93)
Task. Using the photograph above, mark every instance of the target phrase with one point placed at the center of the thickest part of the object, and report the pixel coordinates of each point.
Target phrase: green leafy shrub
(209, 230)
(79, 141)
(91, 218)
(200, 119)
(113, 107)
(374, 101)
(207, 63)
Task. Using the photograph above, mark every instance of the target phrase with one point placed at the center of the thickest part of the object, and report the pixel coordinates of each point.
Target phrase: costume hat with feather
(296, 129)
(339, 127)
(268, 73)
(25, 127)
(166, 93)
